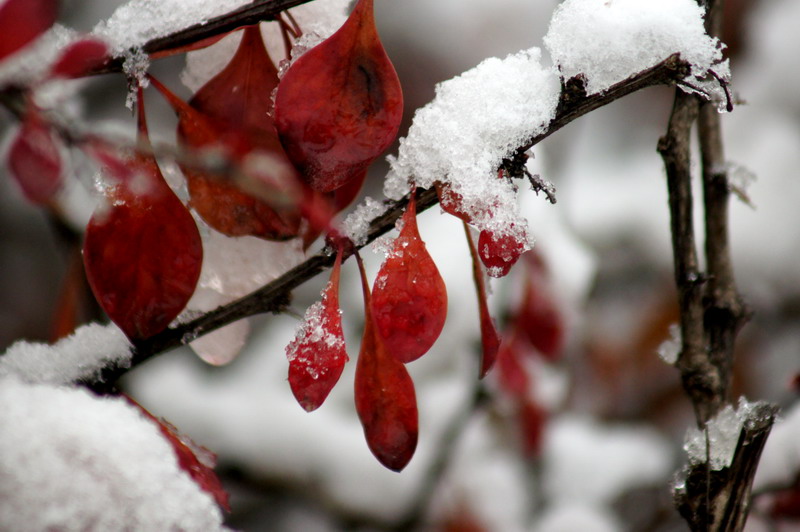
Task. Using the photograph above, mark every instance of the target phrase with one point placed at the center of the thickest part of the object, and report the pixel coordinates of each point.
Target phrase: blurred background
(595, 440)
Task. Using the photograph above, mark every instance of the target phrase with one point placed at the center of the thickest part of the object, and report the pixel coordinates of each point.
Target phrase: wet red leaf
(490, 339)
(187, 451)
(21, 21)
(142, 252)
(34, 159)
(339, 105)
(409, 300)
(499, 252)
(317, 354)
(79, 58)
(385, 399)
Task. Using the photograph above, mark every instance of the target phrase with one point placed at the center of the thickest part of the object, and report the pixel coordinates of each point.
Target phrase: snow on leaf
(317, 354)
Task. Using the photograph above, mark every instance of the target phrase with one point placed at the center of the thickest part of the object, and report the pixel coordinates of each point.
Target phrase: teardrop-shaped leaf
(339, 105)
(80, 57)
(230, 114)
(21, 21)
(317, 354)
(34, 159)
(385, 399)
(409, 300)
(500, 251)
(490, 339)
(194, 459)
(143, 251)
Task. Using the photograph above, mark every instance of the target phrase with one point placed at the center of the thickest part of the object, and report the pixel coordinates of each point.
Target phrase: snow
(356, 225)
(139, 21)
(80, 356)
(609, 40)
(474, 122)
(67, 455)
(670, 349)
(33, 61)
(723, 435)
(592, 462)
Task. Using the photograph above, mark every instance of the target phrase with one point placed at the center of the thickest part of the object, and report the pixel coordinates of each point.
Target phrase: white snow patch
(474, 122)
(570, 516)
(79, 356)
(610, 40)
(356, 225)
(72, 461)
(670, 349)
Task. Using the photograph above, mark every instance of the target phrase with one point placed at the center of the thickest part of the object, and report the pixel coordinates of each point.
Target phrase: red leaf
(143, 252)
(34, 159)
(511, 373)
(79, 58)
(500, 252)
(409, 299)
(339, 106)
(450, 202)
(539, 317)
(186, 451)
(490, 339)
(21, 21)
(385, 398)
(317, 354)
(231, 113)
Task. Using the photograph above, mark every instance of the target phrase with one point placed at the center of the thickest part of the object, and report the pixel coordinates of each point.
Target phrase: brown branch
(246, 15)
(275, 296)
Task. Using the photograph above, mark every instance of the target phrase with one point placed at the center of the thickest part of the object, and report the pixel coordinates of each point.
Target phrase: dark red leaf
(143, 251)
(21, 21)
(500, 252)
(186, 451)
(317, 354)
(385, 399)
(231, 113)
(35, 160)
(511, 372)
(539, 317)
(490, 339)
(79, 58)
(339, 106)
(409, 300)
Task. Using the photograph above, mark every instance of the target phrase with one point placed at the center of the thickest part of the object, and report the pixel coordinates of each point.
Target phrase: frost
(71, 461)
(670, 349)
(314, 329)
(475, 121)
(80, 356)
(723, 434)
(356, 225)
(609, 40)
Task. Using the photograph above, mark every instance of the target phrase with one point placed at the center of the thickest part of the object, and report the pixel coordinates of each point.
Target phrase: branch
(246, 15)
(274, 297)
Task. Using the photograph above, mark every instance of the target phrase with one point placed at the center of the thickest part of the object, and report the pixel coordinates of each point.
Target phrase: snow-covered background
(617, 416)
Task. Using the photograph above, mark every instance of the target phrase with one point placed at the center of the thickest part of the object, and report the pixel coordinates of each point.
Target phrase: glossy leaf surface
(409, 300)
(499, 253)
(21, 21)
(385, 399)
(317, 354)
(490, 339)
(34, 159)
(142, 252)
(339, 105)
